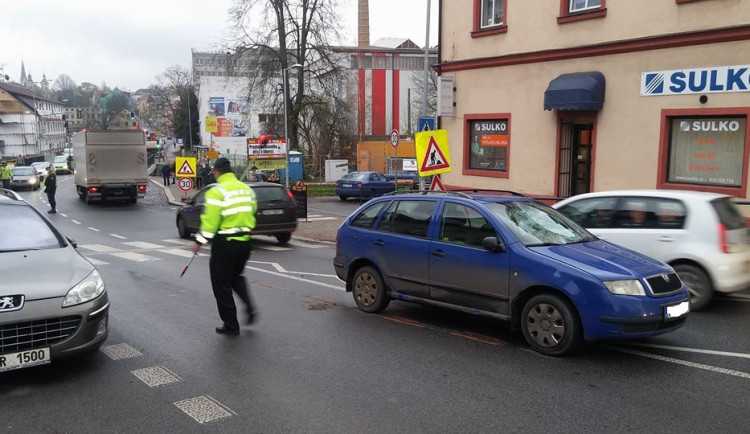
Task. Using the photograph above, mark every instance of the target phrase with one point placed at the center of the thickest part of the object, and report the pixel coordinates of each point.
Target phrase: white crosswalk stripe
(136, 257)
(98, 248)
(271, 248)
(143, 245)
(96, 262)
(180, 241)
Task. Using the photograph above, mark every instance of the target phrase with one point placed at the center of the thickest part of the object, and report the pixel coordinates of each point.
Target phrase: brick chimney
(363, 41)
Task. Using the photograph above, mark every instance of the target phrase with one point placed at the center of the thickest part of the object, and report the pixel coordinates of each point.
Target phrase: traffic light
(132, 116)
(78, 113)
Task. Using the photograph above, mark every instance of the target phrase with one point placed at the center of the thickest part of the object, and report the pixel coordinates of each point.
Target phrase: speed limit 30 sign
(185, 184)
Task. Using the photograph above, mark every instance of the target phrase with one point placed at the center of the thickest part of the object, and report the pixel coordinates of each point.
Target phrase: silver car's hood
(39, 274)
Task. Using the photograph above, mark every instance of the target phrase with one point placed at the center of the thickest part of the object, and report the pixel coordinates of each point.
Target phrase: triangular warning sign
(185, 169)
(436, 184)
(434, 158)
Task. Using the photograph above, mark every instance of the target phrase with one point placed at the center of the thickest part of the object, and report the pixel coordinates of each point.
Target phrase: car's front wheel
(698, 284)
(369, 291)
(182, 229)
(550, 325)
(283, 238)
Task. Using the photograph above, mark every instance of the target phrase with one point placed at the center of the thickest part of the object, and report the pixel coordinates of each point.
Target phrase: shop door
(574, 171)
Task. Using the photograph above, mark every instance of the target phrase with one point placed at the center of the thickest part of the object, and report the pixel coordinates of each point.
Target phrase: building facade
(30, 124)
(565, 97)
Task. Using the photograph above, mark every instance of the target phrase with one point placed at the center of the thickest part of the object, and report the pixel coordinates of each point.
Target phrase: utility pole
(426, 62)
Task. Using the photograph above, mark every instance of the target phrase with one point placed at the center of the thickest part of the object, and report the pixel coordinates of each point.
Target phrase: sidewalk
(312, 229)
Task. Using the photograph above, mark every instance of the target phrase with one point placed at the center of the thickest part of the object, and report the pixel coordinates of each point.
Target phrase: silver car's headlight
(32, 181)
(625, 287)
(86, 290)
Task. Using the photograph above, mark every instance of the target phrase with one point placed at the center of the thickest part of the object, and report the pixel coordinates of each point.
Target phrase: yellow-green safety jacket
(7, 172)
(229, 209)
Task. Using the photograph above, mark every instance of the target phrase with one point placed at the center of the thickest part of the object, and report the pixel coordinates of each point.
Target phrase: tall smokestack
(364, 24)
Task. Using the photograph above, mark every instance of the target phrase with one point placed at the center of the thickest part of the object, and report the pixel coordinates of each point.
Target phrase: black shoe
(252, 315)
(223, 330)
(52, 211)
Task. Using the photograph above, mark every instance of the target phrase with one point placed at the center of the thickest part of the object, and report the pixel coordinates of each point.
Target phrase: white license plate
(273, 211)
(677, 310)
(24, 359)
(346, 185)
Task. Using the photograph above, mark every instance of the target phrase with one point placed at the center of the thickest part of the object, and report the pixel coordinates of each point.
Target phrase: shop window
(704, 150)
(487, 145)
(489, 17)
(576, 10)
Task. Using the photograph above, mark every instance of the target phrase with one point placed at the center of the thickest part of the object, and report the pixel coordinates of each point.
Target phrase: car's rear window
(267, 194)
(25, 171)
(60, 159)
(24, 229)
(352, 175)
(728, 213)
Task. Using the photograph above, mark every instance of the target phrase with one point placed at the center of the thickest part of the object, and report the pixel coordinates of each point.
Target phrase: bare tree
(65, 88)
(172, 98)
(418, 92)
(278, 34)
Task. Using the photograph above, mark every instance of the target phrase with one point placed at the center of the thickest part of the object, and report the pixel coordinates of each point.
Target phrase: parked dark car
(53, 302)
(276, 214)
(363, 185)
(509, 257)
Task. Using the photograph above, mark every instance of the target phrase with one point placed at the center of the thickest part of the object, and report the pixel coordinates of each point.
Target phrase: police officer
(227, 220)
(6, 173)
(50, 187)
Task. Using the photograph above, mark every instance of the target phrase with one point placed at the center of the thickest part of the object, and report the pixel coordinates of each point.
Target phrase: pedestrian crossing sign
(433, 155)
(185, 167)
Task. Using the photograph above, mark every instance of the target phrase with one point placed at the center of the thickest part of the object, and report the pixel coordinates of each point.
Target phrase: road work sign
(433, 155)
(185, 167)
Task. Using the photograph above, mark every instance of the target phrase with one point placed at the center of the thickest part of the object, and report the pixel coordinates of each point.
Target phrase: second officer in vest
(226, 222)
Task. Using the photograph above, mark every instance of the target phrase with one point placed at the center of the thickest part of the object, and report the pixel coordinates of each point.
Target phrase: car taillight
(142, 188)
(723, 245)
(359, 185)
(93, 189)
(289, 193)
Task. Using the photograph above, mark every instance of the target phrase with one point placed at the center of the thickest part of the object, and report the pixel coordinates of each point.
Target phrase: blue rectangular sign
(425, 124)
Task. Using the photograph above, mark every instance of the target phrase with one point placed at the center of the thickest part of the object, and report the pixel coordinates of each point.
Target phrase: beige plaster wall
(628, 126)
(532, 24)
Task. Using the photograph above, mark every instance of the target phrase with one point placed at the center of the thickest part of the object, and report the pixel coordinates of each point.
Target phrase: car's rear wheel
(283, 238)
(698, 284)
(368, 290)
(182, 229)
(342, 198)
(550, 325)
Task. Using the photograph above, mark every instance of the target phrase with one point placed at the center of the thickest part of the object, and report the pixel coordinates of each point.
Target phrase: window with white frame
(492, 13)
(583, 5)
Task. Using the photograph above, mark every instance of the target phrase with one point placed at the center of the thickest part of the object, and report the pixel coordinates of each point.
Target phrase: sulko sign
(720, 79)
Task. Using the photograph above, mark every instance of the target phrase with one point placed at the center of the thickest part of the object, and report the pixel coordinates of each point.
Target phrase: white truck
(110, 165)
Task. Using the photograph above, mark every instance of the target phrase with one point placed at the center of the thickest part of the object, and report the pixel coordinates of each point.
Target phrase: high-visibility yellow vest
(229, 209)
(7, 172)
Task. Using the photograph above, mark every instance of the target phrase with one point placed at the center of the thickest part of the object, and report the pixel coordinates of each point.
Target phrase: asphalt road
(315, 363)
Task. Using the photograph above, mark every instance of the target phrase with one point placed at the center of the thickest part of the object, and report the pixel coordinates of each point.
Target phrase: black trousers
(51, 198)
(166, 178)
(227, 263)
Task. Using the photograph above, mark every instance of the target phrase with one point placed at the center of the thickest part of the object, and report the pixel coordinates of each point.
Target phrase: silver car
(25, 177)
(53, 302)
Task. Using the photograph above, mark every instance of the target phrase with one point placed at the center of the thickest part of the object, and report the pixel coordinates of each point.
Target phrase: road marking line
(120, 351)
(144, 245)
(64, 215)
(94, 229)
(156, 376)
(178, 252)
(326, 285)
(204, 409)
(478, 337)
(280, 268)
(137, 257)
(716, 369)
(689, 350)
(98, 248)
(272, 248)
(96, 261)
(180, 241)
(118, 236)
(76, 222)
(405, 321)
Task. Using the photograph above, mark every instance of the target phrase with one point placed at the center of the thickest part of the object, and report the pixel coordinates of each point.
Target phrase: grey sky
(127, 44)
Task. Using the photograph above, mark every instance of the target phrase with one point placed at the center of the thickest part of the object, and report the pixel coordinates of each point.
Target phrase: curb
(170, 196)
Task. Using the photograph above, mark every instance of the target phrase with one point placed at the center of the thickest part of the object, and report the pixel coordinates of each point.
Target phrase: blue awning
(576, 91)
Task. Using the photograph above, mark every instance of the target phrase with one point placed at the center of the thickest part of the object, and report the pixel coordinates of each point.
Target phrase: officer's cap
(222, 164)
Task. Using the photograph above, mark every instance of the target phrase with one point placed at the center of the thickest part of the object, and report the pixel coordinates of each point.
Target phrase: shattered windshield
(535, 224)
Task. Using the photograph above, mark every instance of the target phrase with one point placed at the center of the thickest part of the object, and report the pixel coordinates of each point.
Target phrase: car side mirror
(492, 244)
(72, 242)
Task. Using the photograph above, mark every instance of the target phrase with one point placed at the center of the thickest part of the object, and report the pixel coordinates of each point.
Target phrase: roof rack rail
(10, 193)
(488, 190)
(425, 192)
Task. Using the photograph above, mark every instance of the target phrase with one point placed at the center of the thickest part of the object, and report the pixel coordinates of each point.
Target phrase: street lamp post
(286, 123)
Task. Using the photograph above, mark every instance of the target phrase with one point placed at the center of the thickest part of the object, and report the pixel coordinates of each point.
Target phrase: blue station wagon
(509, 257)
(363, 185)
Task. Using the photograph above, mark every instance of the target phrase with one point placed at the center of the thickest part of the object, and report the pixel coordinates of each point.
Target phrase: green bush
(320, 190)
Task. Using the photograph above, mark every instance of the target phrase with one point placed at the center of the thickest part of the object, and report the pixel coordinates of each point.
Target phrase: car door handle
(438, 253)
(666, 239)
(379, 242)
